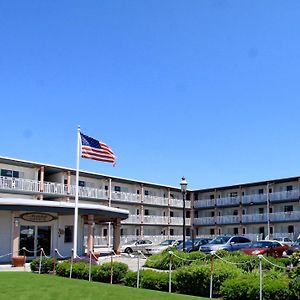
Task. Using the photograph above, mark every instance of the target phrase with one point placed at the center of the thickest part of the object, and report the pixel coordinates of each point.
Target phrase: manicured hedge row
(47, 265)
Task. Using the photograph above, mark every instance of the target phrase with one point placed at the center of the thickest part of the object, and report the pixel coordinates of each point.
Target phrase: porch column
(117, 235)
(42, 177)
(15, 233)
(90, 237)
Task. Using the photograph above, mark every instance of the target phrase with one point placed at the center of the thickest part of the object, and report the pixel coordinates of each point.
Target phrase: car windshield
(220, 240)
(262, 244)
(297, 243)
(166, 243)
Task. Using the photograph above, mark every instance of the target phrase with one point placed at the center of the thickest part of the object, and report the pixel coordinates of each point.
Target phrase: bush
(47, 265)
(195, 279)
(63, 268)
(246, 287)
(149, 279)
(161, 261)
(103, 273)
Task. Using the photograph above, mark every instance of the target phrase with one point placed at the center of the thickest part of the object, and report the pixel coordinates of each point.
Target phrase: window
(171, 214)
(235, 212)
(104, 231)
(261, 191)
(270, 210)
(188, 214)
(289, 188)
(233, 194)
(171, 231)
(138, 192)
(69, 234)
(212, 213)
(117, 188)
(211, 197)
(137, 232)
(137, 211)
(288, 208)
(10, 173)
(270, 191)
(106, 187)
(244, 230)
(261, 210)
(212, 231)
(146, 193)
(235, 230)
(122, 231)
(81, 183)
(271, 229)
(291, 229)
(146, 212)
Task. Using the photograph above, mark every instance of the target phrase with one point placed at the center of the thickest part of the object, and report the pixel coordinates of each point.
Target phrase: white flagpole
(76, 193)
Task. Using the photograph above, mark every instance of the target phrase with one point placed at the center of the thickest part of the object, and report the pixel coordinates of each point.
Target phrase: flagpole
(76, 194)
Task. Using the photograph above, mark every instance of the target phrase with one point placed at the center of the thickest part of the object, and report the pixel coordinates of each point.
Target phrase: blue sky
(207, 89)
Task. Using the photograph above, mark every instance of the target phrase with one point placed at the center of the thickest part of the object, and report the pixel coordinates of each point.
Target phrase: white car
(284, 240)
(160, 247)
(135, 245)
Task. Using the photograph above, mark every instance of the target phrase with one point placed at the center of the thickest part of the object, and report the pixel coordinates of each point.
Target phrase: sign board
(37, 217)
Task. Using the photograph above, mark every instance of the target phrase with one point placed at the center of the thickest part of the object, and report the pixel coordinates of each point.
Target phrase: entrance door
(33, 238)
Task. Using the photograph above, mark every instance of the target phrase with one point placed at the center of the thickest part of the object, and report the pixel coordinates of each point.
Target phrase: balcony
(155, 220)
(179, 221)
(204, 221)
(228, 201)
(285, 216)
(153, 200)
(204, 203)
(254, 218)
(179, 203)
(255, 198)
(285, 195)
(230, 219)
(19, 185)
(125, 197)
(132, 219)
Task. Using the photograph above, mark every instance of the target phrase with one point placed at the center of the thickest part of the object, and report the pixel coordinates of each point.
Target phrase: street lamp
(183, 185)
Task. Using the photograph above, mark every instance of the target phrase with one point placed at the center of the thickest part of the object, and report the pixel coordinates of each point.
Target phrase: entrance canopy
(99, 211)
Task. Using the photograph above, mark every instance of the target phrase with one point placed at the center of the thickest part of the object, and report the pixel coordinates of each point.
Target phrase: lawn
(29, 286)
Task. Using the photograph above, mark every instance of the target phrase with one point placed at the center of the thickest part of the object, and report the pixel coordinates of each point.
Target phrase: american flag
(94, 149)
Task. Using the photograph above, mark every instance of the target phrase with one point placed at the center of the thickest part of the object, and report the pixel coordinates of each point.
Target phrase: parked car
(272, 248)
(284, 240)
(193, 244)
(155, 249)
(225, 242)
(295, 247)
(135, 245)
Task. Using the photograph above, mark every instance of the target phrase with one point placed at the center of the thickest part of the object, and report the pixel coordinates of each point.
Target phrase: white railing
(154, 200)
(258, 218)
(179, 203)
(285, 195)
(127, 197)
(54, 188)
(255, 198)
(228, 201)
(155, 220)
(285, 216)
(228, 219)
(179, 221)
(19, 184)
(132, 219)
(204, 221)
(204, 203)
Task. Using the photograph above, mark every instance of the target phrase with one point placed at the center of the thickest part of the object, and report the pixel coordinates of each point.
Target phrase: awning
(22, 204)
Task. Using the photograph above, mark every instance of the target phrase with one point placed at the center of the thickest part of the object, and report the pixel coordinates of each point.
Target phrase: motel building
(37, 205)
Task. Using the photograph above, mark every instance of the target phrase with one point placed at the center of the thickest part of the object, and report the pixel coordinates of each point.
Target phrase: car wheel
(128, 250)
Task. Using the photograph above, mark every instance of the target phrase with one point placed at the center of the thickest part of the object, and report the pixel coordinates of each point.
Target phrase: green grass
(29, 286)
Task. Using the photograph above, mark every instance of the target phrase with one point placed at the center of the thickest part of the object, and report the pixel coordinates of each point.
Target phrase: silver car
(155, 249)
(135, 245)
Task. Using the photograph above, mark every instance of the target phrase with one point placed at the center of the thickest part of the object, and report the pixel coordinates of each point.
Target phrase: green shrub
(149, 279)
(195, 279)
(161, 261)
(295, 258)
(246, 287)
(63, 268)
(47, 265)
(80, 270)
(103, 273)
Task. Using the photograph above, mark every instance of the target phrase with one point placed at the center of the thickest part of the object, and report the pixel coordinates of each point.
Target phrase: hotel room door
(33, 238)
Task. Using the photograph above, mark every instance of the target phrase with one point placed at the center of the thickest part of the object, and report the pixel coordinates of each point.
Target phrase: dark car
(225, 242)
(271, 248)
(193, 244)
(295, 247)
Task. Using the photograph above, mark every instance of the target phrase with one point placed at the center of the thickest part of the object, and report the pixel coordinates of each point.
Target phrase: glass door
(33, 238)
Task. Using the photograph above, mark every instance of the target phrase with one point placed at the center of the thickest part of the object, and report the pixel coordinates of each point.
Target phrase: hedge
(47, 265)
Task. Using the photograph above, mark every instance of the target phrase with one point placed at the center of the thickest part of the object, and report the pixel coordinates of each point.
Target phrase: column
(15, 233)
(42, 177)
(142, 212)
(68, 185)
(240, 211)
(90, 237)
(117, 236)
(169, 214)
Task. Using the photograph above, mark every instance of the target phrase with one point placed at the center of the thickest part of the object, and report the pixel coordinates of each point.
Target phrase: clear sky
(207, 89)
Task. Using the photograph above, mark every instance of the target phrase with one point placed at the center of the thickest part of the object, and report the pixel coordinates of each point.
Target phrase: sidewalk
(14, 269)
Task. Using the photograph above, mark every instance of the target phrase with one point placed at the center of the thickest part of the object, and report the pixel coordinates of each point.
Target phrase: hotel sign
(37, 217)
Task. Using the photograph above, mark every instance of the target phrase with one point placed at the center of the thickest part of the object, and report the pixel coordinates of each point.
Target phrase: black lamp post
(183, 185)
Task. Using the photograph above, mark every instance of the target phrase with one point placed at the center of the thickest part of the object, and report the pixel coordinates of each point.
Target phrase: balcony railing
(228, 219)
(204, 221)
(204, 203)
(228, 201)
(19, 184)
(285, 216)
(132, 219)
(155, 200)
(285, 195)
(257, 218)
(155, 220)
(126, 197)
(179, 221)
